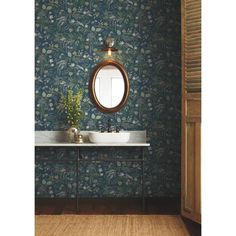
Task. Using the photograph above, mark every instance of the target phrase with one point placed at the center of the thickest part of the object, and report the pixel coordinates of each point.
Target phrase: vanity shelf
(57, 139)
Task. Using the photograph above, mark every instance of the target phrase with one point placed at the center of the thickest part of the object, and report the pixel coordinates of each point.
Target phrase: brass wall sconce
(109, 46)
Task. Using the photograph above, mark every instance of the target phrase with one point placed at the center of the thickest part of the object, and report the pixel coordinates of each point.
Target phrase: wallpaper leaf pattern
(69, 36)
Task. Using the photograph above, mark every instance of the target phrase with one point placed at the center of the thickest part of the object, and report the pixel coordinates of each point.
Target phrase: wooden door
(191, 110)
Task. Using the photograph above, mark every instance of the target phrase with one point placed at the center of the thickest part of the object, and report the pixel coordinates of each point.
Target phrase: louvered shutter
(191, 44)
(191, 110)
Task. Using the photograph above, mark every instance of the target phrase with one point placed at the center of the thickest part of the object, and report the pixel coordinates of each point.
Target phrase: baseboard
(122, 205)
(193, 228)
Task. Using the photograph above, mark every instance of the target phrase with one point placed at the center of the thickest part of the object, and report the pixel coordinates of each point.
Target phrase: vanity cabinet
(58, 139)
(191, 110)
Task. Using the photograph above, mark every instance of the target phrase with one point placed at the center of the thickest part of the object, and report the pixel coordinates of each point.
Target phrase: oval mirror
(109, 86)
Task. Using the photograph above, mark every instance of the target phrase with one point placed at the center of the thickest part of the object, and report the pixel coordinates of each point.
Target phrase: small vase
(71, 134)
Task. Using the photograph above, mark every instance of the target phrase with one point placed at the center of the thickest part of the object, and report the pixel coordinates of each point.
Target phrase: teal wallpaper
(68, 41)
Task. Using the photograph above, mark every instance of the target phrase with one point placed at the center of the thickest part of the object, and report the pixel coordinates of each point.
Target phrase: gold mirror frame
(92, 86)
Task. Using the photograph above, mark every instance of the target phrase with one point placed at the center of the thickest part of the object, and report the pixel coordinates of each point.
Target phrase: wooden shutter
(191, 44)
(191, 110)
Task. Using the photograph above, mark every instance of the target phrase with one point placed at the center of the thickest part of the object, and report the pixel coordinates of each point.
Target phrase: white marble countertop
(57, 139)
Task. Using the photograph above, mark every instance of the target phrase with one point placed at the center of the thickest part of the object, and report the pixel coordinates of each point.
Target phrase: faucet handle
(117, 129)
(101, 128)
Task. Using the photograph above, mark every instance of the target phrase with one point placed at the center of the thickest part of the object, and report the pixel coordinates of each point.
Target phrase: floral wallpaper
(69, 35)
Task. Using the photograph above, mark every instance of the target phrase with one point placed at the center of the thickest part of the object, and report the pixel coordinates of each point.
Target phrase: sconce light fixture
(109, 46)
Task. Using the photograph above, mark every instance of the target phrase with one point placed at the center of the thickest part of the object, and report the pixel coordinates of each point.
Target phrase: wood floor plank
(110, 225)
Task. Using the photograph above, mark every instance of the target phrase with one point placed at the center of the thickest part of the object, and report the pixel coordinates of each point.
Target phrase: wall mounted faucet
(109, 127)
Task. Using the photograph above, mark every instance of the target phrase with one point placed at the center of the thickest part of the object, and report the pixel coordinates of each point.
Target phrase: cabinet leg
(77, 180)
(142, 176)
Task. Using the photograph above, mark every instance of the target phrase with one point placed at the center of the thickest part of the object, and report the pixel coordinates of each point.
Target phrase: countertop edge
(92, 145)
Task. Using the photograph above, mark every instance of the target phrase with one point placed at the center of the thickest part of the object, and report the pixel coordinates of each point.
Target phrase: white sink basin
(98, 137)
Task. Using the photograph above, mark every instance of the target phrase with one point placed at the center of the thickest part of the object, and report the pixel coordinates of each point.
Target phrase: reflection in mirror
(109, 86)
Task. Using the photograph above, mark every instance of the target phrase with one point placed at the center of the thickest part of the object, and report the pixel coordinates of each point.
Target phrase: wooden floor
(110, 225)
(117, 206)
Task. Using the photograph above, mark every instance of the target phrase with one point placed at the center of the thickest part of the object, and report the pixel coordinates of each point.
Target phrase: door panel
(191, 157)
(189, 170)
